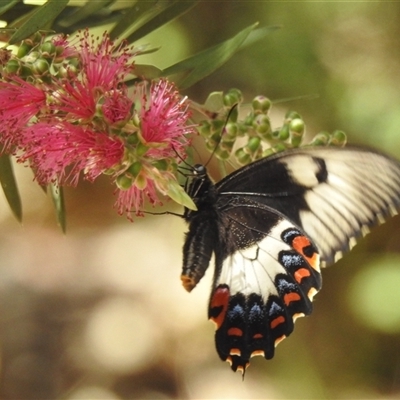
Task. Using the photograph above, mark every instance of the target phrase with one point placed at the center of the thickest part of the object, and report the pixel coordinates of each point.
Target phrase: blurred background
(100, 313)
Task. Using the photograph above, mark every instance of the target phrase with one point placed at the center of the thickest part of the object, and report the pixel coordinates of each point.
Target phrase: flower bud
(283, 133)
(134, 169)
(40, 66)
(253, 144)
(296, 129)
(262, 124)
(12, 67)
(232, 97)
(321, 139)
(242, 157)
(123, 182)
(222, 154)
(292, 115)
(48, 49)
(261, 104)
(24, 49)
(338, 138)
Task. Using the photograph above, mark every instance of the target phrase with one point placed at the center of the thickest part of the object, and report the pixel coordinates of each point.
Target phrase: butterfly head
(199, 171)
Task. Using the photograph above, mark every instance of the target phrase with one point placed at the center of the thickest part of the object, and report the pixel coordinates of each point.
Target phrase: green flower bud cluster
(252, 137)
(39, 57)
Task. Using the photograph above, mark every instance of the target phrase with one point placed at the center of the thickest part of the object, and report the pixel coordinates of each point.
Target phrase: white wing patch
(303, 170)
(253, 270)
(361, 188)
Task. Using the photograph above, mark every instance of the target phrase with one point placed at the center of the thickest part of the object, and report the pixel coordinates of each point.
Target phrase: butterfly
(271, 226)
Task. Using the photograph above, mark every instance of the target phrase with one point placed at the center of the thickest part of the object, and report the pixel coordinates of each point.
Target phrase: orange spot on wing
(300, 274)
(258, 336)
(276, 321)
(235, 332)
(220, 299)
(289, 297)
(299, 242)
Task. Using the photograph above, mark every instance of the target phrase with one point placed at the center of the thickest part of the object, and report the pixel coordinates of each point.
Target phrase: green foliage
(9, 185)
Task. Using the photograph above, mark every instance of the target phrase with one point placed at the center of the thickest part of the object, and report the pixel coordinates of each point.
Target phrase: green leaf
(134, 16)
(57, 195)
(39, 19)
(88, 9)
(9, 186)
(258, 34)
(176, 192)
(165, 15)
(207, 61)
(5, 5)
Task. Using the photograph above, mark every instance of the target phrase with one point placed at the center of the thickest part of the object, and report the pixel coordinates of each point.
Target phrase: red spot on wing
(289, 297)
(301, 273)
(258, 336)
(235, 332)
(276, 321)
(219, 305)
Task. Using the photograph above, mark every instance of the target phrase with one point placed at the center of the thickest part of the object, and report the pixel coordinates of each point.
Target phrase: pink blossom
(116, 107)
(164, 118)
(132, 199)
(104, 65)
(60, 152)
(20, 101)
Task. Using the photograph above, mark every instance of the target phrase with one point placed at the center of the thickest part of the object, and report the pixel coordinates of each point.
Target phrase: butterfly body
(270, 226)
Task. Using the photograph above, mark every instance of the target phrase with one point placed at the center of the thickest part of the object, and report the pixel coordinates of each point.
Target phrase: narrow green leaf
(207, 61)
(39, 19)
(141, 10)
(167, 14)
(5, 5)
(9, 185)
(88, 9)
(258, 34)
(57, 195)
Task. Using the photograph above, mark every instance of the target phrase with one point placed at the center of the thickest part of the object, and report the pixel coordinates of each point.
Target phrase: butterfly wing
(334, 194)
(267, 281)
(281, 216)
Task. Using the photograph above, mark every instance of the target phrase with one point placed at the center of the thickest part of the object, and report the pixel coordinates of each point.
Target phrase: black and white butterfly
(271, 225)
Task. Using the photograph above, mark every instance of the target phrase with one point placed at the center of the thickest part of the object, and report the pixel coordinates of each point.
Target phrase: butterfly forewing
(269, 225)
(333, 194)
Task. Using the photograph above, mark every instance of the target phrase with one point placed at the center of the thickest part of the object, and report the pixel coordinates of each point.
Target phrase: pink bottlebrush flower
(131, 200)
(116, 107)
(163, 134)
(163, 119)
(75, 100)
(60, 152)
(104, 65)
(20, 101)
(102, 71)
(65, 48)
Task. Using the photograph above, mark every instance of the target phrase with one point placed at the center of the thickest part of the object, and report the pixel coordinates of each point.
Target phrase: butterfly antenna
(222, 133)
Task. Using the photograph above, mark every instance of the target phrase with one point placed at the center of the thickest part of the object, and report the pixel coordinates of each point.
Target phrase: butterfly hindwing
(270, 225)
(262, 287)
